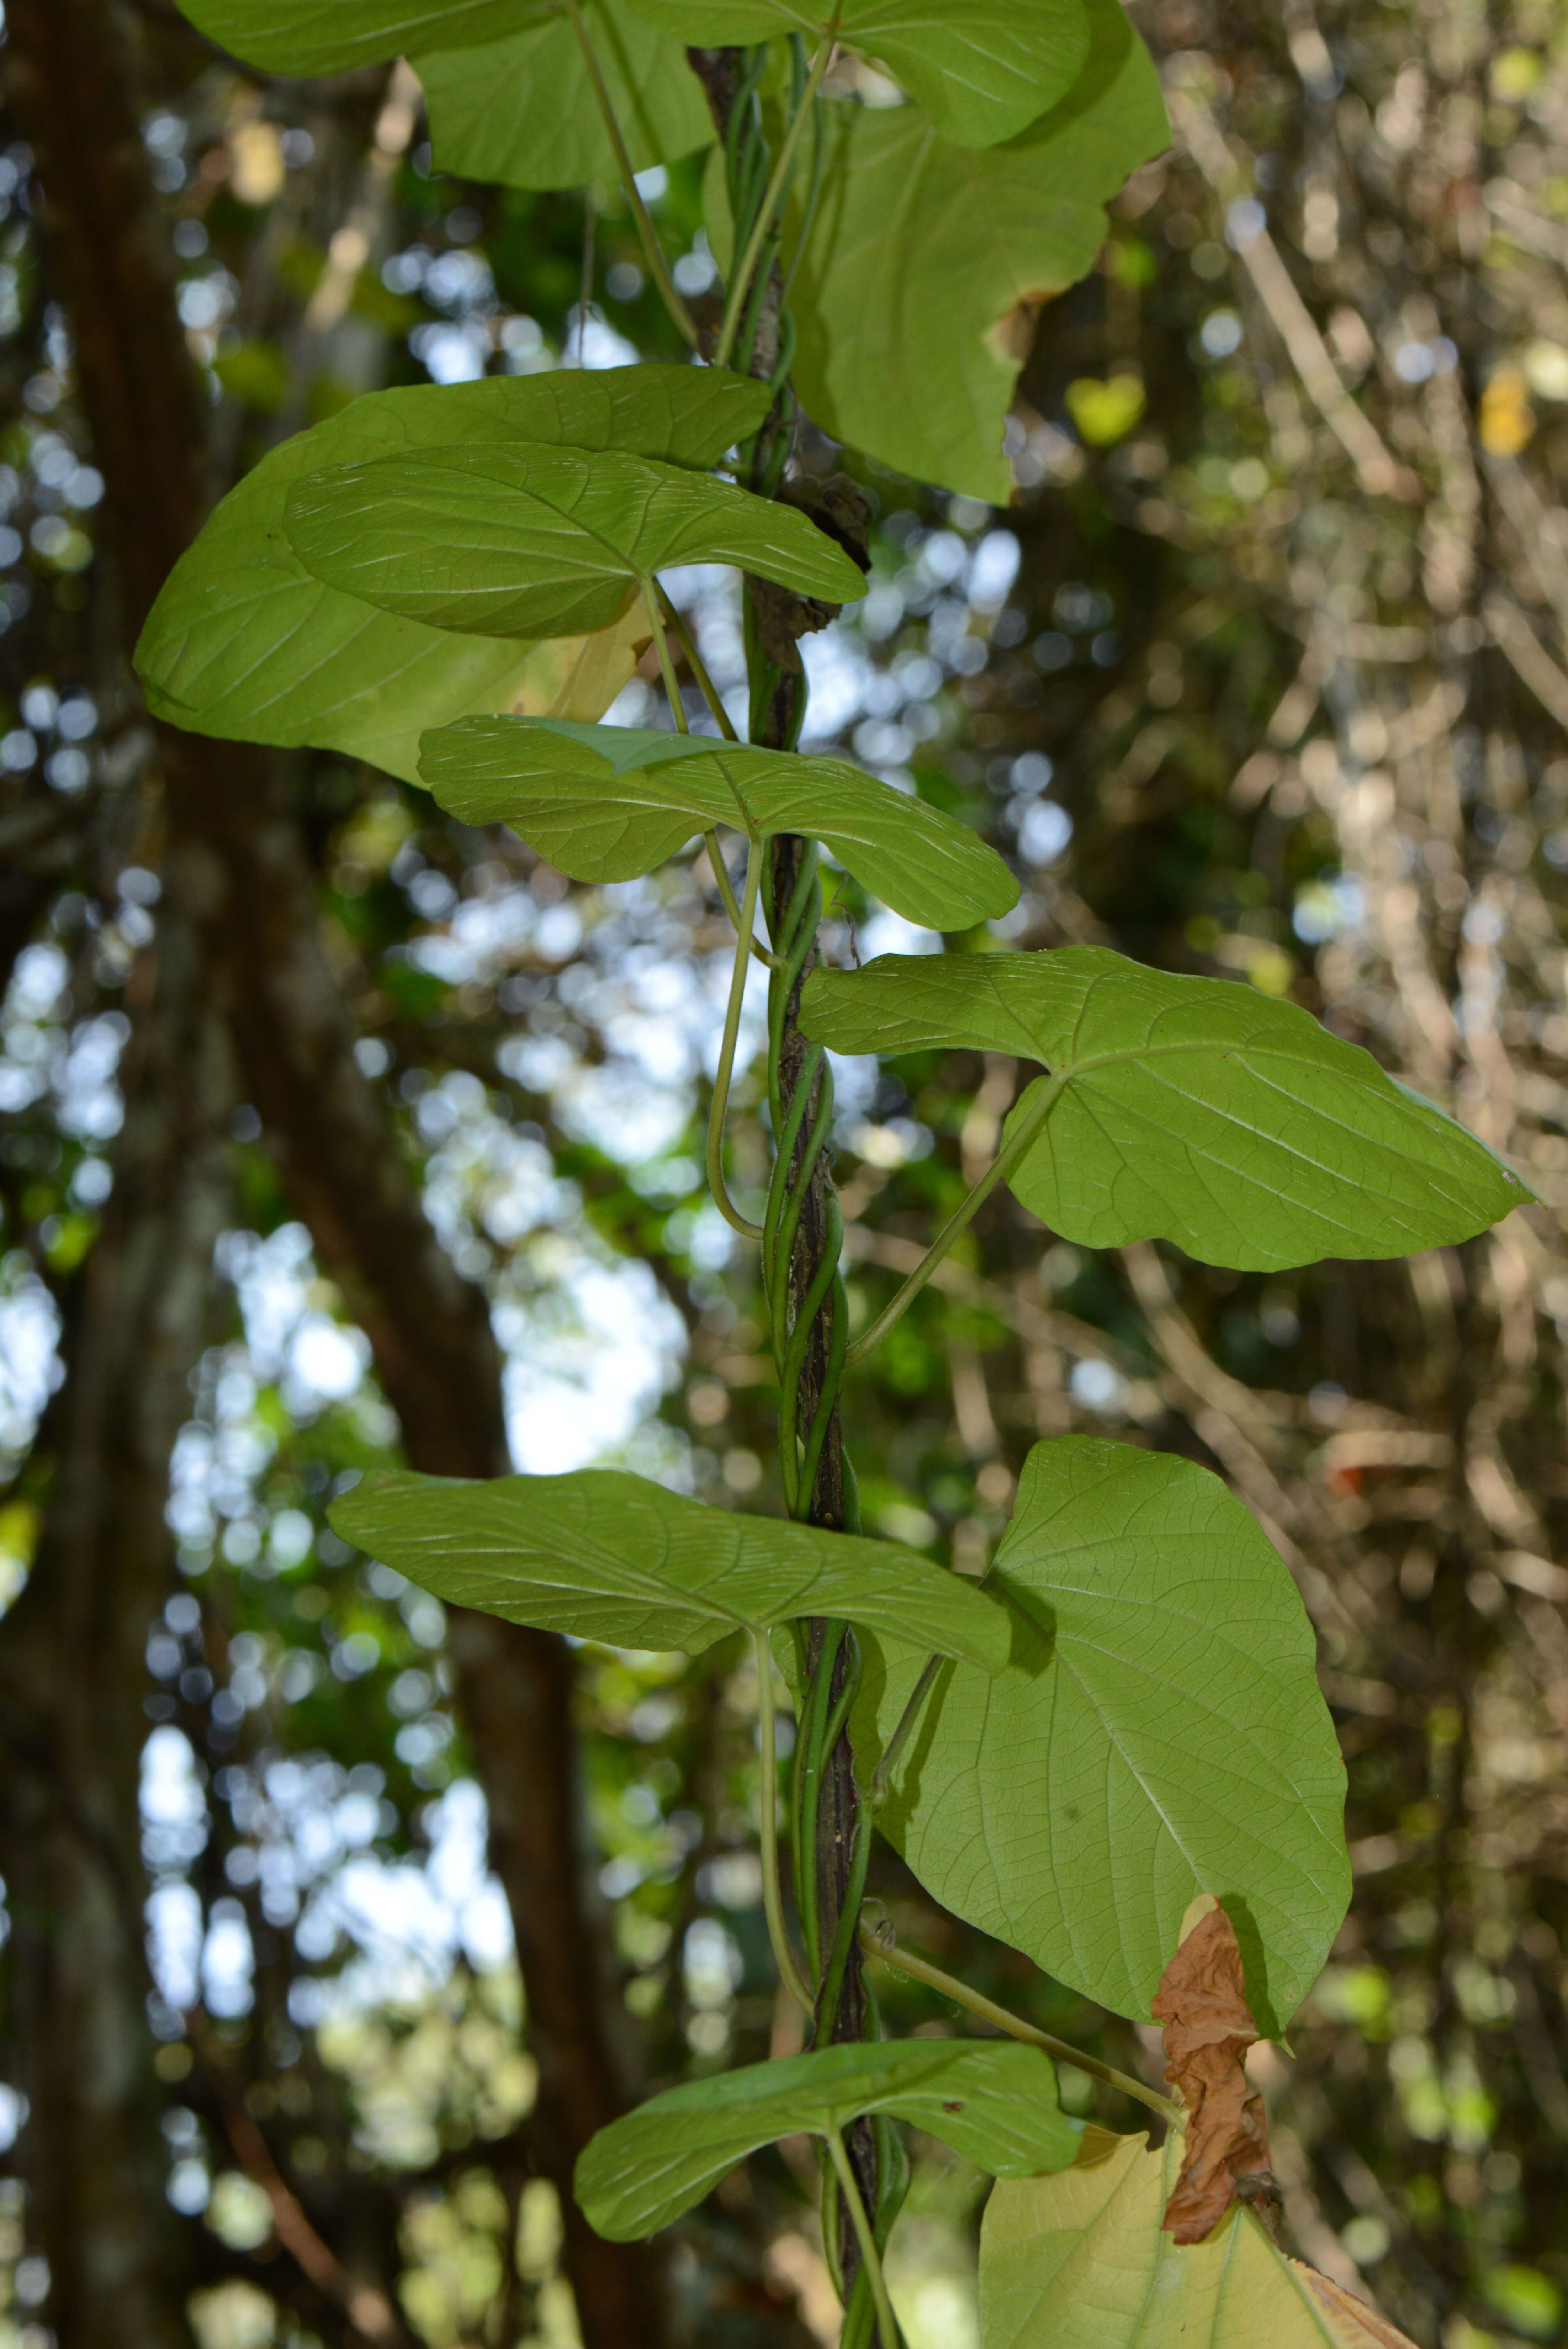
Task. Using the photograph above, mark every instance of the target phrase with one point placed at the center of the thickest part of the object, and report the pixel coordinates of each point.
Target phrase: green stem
(848, 2186)
(906, 1721)
(783, 1955)
(956, 1225)
(726, 892)
(645, 229)
(666, 665)
(733, 308)
(710, 690)
(881, 1943)
(720, 1104)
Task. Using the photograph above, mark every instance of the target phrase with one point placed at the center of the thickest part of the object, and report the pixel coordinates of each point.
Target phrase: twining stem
(720, 1104)
(645, 229)
(957, 1224)
(734, 303)
(878, 1942)
(726, 892)
(710, 690)
(848, 2186)
(773, 1907)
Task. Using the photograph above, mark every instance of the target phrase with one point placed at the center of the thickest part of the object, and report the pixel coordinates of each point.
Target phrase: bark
(71, 1680)
(232, 833)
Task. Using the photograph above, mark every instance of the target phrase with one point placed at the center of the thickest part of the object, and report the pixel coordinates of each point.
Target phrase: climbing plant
(1110, 1750)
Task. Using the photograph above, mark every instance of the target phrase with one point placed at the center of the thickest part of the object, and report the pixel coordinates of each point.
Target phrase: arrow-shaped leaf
(325, 36)
(610, 1557)
(607, 802)
(1157, 1733)
(243, 642)
(1080, 2260)
(523, 110)
(1192, 1110)
(926, 260)
(982, 69)
(993, 2101)
(531, 540)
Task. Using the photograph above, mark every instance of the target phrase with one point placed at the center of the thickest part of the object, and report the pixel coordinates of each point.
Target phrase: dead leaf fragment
(1353, 2322)
(1208, 2028)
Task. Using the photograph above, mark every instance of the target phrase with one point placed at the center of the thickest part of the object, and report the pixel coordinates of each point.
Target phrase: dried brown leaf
(1208, 2028)
(1353, 2323)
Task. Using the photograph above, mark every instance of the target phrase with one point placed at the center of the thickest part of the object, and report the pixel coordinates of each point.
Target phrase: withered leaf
(1353, 2322)
(1208, 2028)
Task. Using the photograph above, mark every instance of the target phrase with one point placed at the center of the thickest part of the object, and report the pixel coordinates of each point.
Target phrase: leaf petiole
(957, 1224)
(710, 690)
(726, 891)
(880, 1941)
(657, 265)
(734, 303)
(783, 1955)
(720, 1102)
(848, 2186)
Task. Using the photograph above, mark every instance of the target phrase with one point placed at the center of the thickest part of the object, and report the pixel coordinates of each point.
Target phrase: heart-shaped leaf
(522, 111)
(533, 541)
(1080, 2260)
(325, 36)
(993, 2101)
(911, 337)
(607, 802)
(610, 1557)
(1157, 1733)
(982, 69)
(244, 643)
(1192, 1110)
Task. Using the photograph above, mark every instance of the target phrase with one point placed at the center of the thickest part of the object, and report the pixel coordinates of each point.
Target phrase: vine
(1126, 1769)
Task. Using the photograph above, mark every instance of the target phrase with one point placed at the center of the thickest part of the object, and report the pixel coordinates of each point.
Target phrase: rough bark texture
(71, 1682)
(240, 936)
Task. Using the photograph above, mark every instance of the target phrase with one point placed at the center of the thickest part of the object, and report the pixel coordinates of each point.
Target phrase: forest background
(332, 1132)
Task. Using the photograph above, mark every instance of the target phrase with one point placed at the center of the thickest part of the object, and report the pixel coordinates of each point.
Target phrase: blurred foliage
(1263, 675)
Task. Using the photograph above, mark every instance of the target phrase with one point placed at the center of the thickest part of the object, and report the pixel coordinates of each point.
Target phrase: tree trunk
(232, 835)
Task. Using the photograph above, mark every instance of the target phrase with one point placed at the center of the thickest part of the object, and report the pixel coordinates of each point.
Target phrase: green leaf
(1080, 2260)
(607, 802)
(991, 2100)
(243, 642)
(982, 69)
(530, 540)
(326, 37)
(1192, 1110)
(926, 261)
(610, 1557)
(523, 112)
(1157, 1733)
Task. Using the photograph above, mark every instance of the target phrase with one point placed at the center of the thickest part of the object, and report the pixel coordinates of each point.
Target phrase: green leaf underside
(325, 36)
(1159, 1733)
(532, 541)
(1194, 1110)
(993, 2101)
(610, 1557)
(982, 69)
(243, 642)
(522, 111)
(926, 261)
(1080, 2260)
(609, 803)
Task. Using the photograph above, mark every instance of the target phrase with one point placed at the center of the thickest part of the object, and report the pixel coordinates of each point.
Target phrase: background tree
(1263, 675)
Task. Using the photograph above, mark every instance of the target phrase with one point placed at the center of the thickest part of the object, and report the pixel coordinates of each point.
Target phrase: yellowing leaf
(1105, 412)
(1081, 2261)
(1506, 420)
